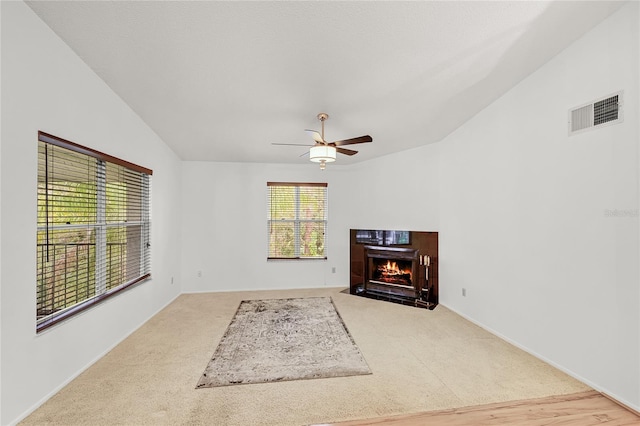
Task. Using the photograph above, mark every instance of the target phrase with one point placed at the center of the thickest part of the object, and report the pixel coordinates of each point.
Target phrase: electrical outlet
(333, 270)
(464, 292)
(199, 274)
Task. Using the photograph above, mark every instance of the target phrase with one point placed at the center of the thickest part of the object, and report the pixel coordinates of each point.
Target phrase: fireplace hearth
(399, 266)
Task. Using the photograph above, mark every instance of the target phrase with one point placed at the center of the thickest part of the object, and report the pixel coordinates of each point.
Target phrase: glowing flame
(392, 267)
(390, 271)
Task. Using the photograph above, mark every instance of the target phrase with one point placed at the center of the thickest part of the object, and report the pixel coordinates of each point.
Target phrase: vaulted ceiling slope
(222, 81)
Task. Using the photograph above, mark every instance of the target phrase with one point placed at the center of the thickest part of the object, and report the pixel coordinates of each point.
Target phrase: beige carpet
(421, 360)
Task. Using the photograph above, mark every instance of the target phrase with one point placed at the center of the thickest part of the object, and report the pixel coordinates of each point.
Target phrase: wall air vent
(595, 114)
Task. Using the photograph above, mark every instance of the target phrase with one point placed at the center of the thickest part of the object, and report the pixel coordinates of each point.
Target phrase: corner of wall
(1, 192)
(637, 37)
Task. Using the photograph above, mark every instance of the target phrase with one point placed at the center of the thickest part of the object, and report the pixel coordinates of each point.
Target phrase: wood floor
(579, 409)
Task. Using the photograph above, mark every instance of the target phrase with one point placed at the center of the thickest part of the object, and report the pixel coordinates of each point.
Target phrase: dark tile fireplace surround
(398, 266)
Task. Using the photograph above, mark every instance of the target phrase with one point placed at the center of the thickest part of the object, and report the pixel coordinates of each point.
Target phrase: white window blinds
(297, 220)
(93, 236)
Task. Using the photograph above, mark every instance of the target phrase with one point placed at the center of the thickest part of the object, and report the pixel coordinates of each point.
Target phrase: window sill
(296, 258)
(71, 312)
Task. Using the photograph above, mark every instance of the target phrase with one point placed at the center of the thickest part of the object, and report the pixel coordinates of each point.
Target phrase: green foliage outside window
(297, 221)
(93, 228)
(66, 266)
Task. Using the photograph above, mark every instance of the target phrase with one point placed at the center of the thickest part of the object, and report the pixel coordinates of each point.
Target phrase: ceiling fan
(325, 152)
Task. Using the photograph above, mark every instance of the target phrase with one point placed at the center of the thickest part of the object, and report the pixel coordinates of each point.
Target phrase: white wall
(0, 220)
(638, 79)
(522, 214)
(519, 206)
(224, 228)
(399, 191)
(45, 86)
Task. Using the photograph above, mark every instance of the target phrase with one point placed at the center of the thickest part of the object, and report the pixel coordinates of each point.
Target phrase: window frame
(101, 225)
(297, 220)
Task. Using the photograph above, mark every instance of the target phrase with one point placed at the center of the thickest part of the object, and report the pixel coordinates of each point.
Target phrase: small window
(93, 237)
(297, 220)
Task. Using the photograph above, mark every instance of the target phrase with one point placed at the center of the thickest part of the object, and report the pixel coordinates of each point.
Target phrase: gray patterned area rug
(284, 339)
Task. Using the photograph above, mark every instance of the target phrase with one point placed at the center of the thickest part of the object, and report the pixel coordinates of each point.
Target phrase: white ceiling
(222, 81)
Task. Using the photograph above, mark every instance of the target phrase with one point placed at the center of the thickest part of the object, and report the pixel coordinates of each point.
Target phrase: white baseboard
(239, 290)
(571, 373)
(57, 389)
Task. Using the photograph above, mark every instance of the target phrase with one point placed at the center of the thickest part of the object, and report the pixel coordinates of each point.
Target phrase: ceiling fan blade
(292, 144)
(316, 136)
(360, 139)
(304, 154)
(346, 151)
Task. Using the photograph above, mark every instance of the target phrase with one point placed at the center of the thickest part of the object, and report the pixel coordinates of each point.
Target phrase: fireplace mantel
(413, 279)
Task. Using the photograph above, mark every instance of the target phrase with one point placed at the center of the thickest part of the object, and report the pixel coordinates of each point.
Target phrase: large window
(297, 220)
(93, 228)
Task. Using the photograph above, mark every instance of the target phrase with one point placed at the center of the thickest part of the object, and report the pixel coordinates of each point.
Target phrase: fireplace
(392, 271)
(396, 266)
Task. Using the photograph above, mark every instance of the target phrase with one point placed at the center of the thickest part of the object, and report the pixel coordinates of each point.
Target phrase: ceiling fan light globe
(322, 153)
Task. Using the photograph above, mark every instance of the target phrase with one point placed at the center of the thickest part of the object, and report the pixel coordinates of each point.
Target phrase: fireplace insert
(392, 271)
